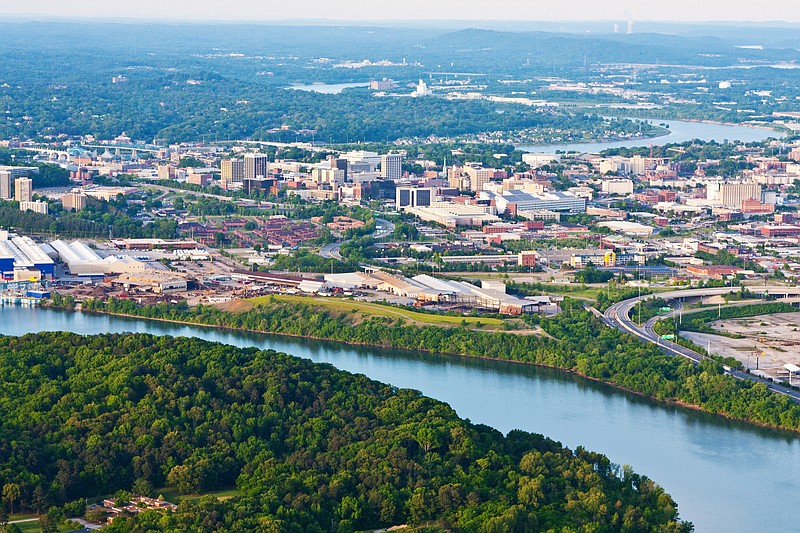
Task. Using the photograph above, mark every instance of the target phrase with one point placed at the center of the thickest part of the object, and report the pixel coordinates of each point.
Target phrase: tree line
(576, 341)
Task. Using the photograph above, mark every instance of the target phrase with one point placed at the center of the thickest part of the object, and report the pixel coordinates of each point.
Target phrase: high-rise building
(74, 200)
(23, 189)
(7, 176)
(256, 165)
(414, 197)
(392, 166)
(167, 172)
(232, 170)
(733, 194)
(6, 185)
(478, 177)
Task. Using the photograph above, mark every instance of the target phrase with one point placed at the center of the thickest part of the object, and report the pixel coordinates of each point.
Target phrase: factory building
(22, 253)
(83, 261)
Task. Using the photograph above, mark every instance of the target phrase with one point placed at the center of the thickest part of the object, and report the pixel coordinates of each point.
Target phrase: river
(326, 88)
(680, 131)
(725, 476)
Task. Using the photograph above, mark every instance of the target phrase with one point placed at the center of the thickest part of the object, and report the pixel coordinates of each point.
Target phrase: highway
(618, 316)
(331, 251)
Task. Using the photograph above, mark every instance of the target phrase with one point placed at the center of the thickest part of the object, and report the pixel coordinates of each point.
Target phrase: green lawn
(374, 309)
(172, 495)
(33, 527)
(20, 516)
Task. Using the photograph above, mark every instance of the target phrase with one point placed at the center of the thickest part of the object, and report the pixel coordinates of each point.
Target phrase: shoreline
(668, 131)
(672, 402)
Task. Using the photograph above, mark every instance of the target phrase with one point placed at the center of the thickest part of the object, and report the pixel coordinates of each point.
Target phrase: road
(331, 251)
(618, 316)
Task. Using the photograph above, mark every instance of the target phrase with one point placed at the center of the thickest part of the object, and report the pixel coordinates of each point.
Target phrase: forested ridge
(309, 447)
(577, 342)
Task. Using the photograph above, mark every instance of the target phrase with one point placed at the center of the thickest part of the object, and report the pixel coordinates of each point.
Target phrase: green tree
(11, 493)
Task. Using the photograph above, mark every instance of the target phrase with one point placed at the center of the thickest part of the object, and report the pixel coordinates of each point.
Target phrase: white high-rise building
(256, 165)
(733, 194)
(392, 166)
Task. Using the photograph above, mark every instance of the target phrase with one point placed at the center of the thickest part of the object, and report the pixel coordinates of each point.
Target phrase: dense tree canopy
(310, 448)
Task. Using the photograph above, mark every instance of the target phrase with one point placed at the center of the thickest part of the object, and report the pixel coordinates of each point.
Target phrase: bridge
(303, 145)
(618, 316)
(124, 147)
(52, 154)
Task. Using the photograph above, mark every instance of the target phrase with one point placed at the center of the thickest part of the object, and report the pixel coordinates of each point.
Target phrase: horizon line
(34, 17)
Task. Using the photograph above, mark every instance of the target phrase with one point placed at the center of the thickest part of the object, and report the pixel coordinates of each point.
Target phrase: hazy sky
(253, 10)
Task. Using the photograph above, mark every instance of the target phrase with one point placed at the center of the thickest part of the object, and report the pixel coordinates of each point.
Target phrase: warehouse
(23, 253)
(83, 261)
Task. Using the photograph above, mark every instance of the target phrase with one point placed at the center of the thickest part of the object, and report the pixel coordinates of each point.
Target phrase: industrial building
(152, 280)
(83, 261)
(22, 253)
(511, 202)
(491, 296)
(154, 244)
(452, 215)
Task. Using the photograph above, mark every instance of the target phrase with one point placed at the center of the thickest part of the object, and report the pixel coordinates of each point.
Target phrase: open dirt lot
(776, 338)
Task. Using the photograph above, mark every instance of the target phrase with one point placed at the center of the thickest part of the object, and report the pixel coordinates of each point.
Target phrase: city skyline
(411, 10)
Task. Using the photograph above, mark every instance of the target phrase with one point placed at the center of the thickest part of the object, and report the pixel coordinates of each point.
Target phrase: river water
(725, 476)
(326, 88)
(680, 131)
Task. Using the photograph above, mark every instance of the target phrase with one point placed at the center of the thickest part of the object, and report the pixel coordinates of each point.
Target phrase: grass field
(373, 309)
(33, 527)
(172, 495)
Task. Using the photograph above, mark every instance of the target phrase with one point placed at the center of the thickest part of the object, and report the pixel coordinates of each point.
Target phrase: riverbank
(678, 131)
(649, 382)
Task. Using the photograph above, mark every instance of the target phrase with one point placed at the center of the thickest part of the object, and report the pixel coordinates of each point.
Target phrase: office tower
(414, 197)
(256, 165)
(478, 177)
(392, 166)
(232, 170)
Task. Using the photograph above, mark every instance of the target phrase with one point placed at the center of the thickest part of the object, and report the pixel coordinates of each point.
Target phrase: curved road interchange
(618, 316)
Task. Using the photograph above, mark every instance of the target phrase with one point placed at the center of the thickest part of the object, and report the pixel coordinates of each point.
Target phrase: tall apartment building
(392, 166)
(74, 200)
(7, 176)
(478, 177)
(232, 170)
(733, 194)
(256, 165)
(6, 185)
(23, 189)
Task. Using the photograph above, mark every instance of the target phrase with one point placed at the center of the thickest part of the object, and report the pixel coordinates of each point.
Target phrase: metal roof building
(22, 252)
